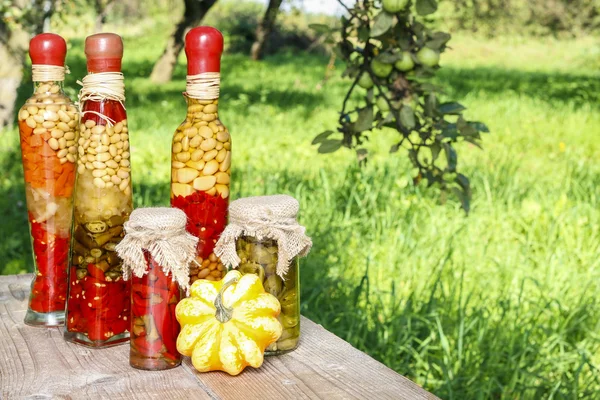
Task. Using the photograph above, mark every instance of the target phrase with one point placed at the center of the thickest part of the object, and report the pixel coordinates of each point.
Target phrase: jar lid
(263, 208)
(161, 232)
(157, 219)
(265, 217)
(104, 52)
(48, 49)
(203, 49)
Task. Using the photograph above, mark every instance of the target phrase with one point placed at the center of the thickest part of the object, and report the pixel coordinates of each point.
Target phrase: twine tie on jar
(271, 217)
(161, 232)
(203, 86)
(102, 86)
(48, 73)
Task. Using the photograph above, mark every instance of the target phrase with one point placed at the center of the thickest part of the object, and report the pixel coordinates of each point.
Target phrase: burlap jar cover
(265, 217)
(161, 232)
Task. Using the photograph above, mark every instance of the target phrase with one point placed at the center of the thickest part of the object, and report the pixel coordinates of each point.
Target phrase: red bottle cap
(104, 52)
(203, 48)
(48, 49)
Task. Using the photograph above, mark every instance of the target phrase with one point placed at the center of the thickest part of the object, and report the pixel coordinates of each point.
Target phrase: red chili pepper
(49, 289)
(207, 217)
(147, 348)
(96, 272)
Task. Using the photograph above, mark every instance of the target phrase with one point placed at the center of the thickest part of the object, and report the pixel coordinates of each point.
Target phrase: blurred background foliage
(501, 304)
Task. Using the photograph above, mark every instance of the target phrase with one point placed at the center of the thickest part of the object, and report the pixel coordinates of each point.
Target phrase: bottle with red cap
(201, 153)
(98, 304)
(48, 128)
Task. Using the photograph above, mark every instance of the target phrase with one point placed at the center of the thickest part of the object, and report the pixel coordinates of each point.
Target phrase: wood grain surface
(36, 363)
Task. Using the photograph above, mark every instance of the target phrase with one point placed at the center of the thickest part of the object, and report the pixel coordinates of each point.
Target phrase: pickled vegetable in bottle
(98, 306)
(48, 128)
(201, 153)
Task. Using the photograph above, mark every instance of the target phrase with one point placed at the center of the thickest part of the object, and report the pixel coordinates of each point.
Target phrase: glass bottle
(99, 303)
(201, 156)
(154, 328)
(259, 256)
(48, 123)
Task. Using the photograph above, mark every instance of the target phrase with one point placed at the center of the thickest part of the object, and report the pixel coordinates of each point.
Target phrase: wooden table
(38, 363)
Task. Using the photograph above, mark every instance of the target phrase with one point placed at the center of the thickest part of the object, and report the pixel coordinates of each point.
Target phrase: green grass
(501, 304)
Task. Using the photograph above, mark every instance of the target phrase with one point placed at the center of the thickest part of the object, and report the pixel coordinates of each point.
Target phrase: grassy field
(501, 304)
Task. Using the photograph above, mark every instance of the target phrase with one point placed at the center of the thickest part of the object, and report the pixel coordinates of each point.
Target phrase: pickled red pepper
(98, 306)
(201, 153)
(48, 131)
(156, 252)
(154, 332)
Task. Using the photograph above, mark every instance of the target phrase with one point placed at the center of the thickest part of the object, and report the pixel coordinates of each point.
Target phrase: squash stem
(223, 313)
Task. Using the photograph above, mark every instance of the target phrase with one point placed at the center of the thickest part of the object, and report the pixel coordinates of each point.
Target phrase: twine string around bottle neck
(48, 73)
(203, 86)
(102, 86)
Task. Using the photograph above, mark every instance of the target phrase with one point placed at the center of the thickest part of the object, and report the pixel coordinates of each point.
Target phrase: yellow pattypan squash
(227, 325)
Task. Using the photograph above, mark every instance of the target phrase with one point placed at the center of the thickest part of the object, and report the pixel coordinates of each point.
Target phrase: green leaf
(321, 137)
(451, 156)
(395, 148)
(438, 40)
(329, 146)
(426, 7)
(474, 142)
(363, 33)
(480, 126)
(365, 120)
(431, 104)
(452, 108)
(407, 117)
(435, 150)
(465, 198)
(465, 128)
(320, 28)
(389, 58)
(382, 23)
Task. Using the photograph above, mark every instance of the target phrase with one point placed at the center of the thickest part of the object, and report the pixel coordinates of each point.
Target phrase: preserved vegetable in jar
(265, 239)
(154, 328)
(98, 304)
(259, 257)
(48, 129)
(201, 153)
(156, 254)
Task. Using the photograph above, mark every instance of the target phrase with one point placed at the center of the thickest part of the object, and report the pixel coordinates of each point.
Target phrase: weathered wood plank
(39, 363)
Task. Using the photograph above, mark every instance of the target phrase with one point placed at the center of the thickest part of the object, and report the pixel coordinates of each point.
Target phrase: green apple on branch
(389, 51)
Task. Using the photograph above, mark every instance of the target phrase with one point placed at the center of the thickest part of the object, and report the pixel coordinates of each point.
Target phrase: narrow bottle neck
(47, 88)
(207, 109)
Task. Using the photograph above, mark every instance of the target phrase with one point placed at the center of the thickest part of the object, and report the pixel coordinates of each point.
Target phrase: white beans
(201, 158)
(102, 153)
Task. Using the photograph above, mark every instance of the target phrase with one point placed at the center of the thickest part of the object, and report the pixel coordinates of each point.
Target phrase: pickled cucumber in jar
(260, 257)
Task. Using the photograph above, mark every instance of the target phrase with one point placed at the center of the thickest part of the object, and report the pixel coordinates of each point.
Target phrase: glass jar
(48, 129)
(201, 157)
(99, 300)
(260, 257)
(154, 328)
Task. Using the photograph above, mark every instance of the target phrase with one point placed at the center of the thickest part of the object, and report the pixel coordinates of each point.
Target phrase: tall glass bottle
(48, 131)
(99, 303)
(201, 153)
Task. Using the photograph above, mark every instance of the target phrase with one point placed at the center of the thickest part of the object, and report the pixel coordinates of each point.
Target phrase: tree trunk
(13, 45)
(264, 28)
(102, 8)
(195, 10)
